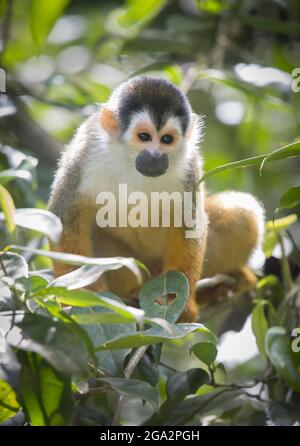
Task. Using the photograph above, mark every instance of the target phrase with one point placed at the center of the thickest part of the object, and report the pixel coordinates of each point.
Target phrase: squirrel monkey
(146, 137)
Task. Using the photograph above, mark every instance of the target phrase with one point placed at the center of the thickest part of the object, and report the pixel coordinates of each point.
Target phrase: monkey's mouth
(152, 164)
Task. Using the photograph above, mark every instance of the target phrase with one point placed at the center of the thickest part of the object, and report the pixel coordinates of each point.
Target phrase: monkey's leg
(236, 227)
(79, 224)
(121, 281)
(185, 255)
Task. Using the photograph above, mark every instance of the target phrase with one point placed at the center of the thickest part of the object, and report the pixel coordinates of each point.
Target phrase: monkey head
(151, 121)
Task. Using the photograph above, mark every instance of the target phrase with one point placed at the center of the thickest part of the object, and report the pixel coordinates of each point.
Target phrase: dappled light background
(235, 69)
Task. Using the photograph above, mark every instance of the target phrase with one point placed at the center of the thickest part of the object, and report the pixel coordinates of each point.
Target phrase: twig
(286, 272)
(129, 369)
(6, 25)
(92, 391)
(189, 79)
(134, 360)
(3, 266)
(166, 366)
(97, 372)
(221, 43)
(257, 396)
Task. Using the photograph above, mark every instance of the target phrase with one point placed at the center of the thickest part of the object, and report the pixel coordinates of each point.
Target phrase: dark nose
(152, 164)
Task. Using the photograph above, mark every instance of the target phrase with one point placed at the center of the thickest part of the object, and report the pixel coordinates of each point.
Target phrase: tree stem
(129, 369)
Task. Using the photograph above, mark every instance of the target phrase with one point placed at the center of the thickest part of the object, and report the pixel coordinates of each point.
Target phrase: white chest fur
(105, 169)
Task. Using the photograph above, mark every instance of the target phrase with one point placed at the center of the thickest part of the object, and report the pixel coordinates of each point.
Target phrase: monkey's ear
(109, 121)
(195, 127)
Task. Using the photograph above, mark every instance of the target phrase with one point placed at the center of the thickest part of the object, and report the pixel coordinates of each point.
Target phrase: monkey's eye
(167, 139)
(144, 136)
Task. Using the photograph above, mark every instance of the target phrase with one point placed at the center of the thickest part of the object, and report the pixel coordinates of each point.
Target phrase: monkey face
(153, 147)
(151, 124)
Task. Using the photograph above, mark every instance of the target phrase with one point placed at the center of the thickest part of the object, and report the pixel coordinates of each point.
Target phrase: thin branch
(92, 391)
(97, 372)
(3, 266)
(134, 360)
(6, 25)
(129, 369)
(286, 272)
(166, 366)
(189, 79)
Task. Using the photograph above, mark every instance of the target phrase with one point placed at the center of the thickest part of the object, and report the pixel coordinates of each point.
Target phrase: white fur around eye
(172, 123)
(138, 118)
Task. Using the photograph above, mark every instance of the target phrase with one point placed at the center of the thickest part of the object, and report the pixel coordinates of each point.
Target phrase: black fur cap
(155, 95)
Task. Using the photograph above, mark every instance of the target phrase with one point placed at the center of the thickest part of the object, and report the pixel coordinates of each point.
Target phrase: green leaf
(83, 276)
(41, 221)
(153, 335)
(281, 224)
(8, 402)
(14, 174)
(171, 283)
(181, 384)
(267, 282)
(212, 6)
(129, 20)
(288, 151)
(290, 198)
(8, 208)
(96, 316)
(42, 18)
(61, 344)
(283, 414)
(278, 348)
(200, 405)
(260, 326)
(206, 352)
(110, 361)
(82, 298)
(74, 259)
(35, 283)
(15, 267)
(45, 393)
(270, 242)
(187, 409)
(134, 388)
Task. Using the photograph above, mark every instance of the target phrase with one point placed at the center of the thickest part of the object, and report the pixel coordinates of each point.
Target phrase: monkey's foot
(244, 281)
